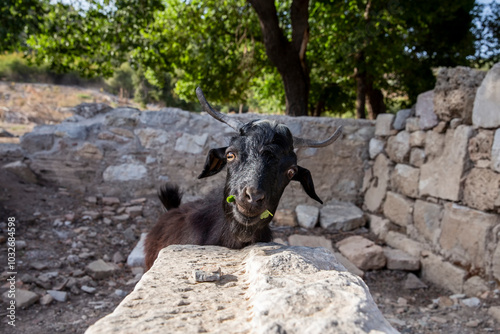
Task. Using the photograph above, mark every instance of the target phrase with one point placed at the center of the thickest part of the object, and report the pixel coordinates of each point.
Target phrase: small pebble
(211, 275)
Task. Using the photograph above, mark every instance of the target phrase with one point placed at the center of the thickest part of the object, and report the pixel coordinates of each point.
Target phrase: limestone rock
(375, 194)
(482, 189)
(150, 138)
(100, 269)
(349, 265)
(37, 140)
(122, 117)
(455, 92)
(434, 144)
(24, 298)
(412, 124)
(399, 260)
(89, 151)
(495, 152)
(412, 282)
(475, 286)
(459, 223)
(363, 253)
(405, 179)
(383, 125)
(89, 110)
(136, 258)
(60, 296)
(125, 172)
(486, 111)
(307, 215)
(398, 147)
(442, 176)
(480, 145)
(417, 157)
(398, 209)
(400, 120)
(425, 110)
(22, 170)
(379, 226)
(402, 242)
(427, 220)
(310, 241)
(342, 216)
(375, 147)
(262, 289)
(443, 273)
(191, 143)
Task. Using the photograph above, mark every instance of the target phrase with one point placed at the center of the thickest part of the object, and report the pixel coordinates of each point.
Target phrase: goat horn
(300, 142)
(235, 124)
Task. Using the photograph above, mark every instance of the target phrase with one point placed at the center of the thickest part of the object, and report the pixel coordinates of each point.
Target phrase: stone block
(136, 258)
(404, 180)
(32, 142)
(427, 220)
(398, 209)
(442, 273)
(399, 260)
(434, 144)
(125, 172)
(455, 92)
(310, 241)
(122, 117)
(495, 152)
(150, 138)
(383, 125)
(400, 119)
(379, 226)
(412, 124)
(285, 217)
(442, 176)
(482, 189)
(349, 265)
(424, 109)
(402, 242)
(375, 194)
(307, 215)
(193, 144)
(459, 223)
(417, 157)
(262, 289)
(24, 298)
(341, 216)
(375, 147)
(363, 253)
(417, 139)
(22, 170)
(99, 269)
(475, 286)
(480, 145)
(398, 147)
(89, 151)
(486, 111)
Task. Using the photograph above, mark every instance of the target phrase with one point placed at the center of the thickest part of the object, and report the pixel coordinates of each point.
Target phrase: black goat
(260, 164)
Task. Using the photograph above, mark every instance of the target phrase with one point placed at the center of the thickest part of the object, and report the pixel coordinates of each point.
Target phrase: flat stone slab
(265, 288)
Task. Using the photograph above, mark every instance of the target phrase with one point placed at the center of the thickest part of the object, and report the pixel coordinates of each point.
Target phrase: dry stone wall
(128, 153)
(435, 181)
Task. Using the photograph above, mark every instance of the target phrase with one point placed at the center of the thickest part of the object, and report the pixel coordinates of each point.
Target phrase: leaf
(266, 214)
(230, 199)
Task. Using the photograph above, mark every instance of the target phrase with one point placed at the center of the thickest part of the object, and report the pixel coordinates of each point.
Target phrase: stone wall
(435, 179)
(128, 153)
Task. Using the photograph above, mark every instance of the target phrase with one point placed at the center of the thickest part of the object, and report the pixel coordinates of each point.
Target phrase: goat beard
(242, 227)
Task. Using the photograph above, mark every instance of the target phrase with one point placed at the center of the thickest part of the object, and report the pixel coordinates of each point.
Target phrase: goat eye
(230, 156)
(291, 173)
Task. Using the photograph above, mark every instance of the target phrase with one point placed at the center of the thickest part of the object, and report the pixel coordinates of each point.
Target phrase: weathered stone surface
(480, 145)
(24, 298)
(38, 140)
(402, 242)
(263, 289)
(417, 139)
(399, 260)
(136, 257)
(495, 152)
(412, 124)
(378, 187)
(363, 253)
(310, 241)
(10, 150)
(376, 146)
(442, 176)
(458, 225)
(398, 147)
(404, 180)
(348, 265)
(443, 273)
(482, 189)
(150, 138)
(343, 216)
(383, 125)
(425, 110)
(400, 120)
(427, 220)
(486, 112)
(379, 226)
(60, 296)
(475, 286)
(89, 151)
(99, 269)
(122, 117)
(412, 282)
(191, 143)
(455, 92)
(89, 110)
(398, 209)
(125, 172)
(307, 215)
(285, 217)
(434, 144)
(22, 170)
(417, 157)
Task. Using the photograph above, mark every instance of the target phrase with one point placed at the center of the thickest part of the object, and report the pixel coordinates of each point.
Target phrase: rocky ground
(71, 254)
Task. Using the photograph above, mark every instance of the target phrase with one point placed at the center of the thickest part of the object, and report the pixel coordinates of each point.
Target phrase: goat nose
(253, 195)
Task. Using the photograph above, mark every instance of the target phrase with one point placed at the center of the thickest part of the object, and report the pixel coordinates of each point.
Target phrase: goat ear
(304, 177)
(216, 160)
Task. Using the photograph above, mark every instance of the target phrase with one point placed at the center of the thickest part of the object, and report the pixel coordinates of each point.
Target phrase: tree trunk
(376, 104)
(360, 95)
(289, 57)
